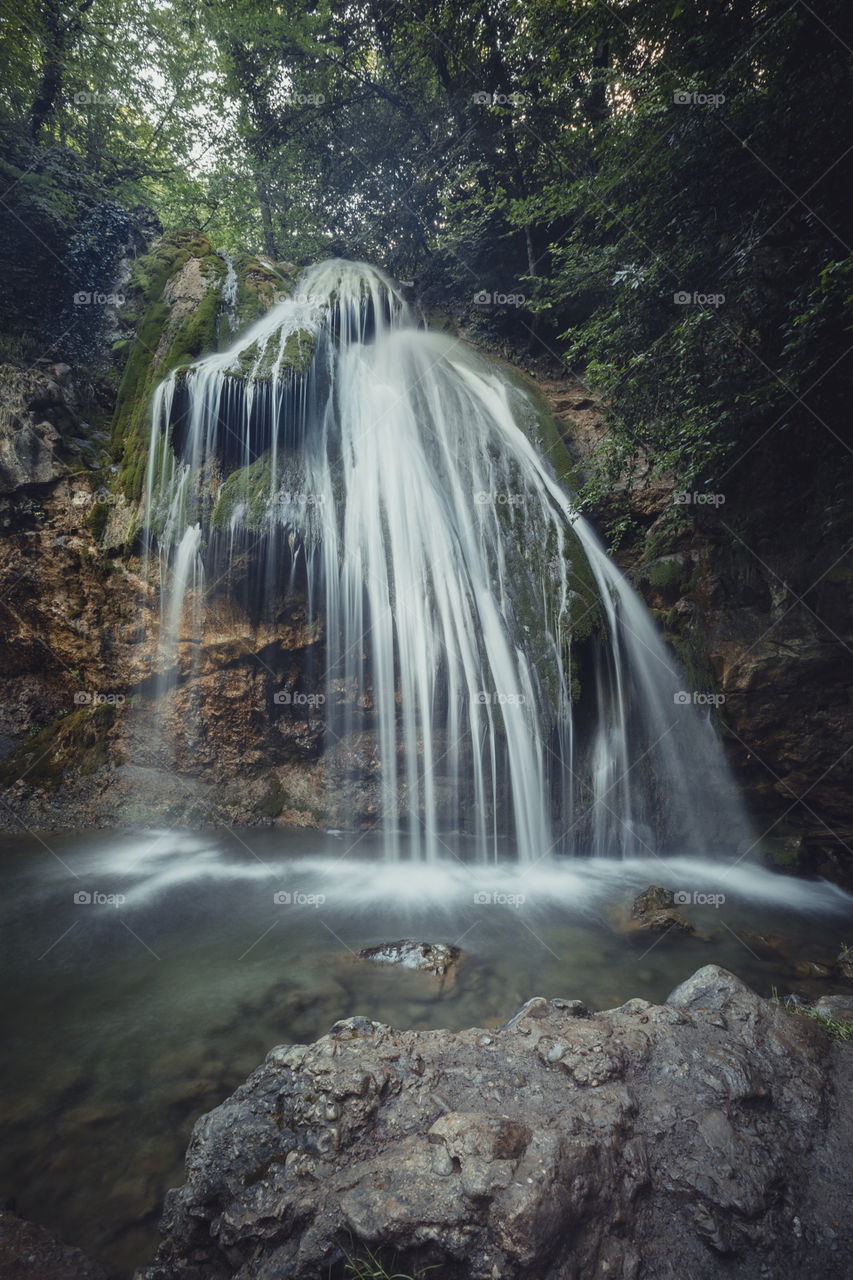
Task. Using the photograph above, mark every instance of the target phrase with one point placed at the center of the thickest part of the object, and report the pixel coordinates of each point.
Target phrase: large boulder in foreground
(706, 1137)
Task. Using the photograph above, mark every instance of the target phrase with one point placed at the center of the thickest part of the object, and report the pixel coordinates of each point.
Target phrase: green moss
(259, 287)
(273, 800)
(299, 350)
(195, 336)
(669, 573)
(249, 485)
(142, 371)
(96, 519)
(76, 743)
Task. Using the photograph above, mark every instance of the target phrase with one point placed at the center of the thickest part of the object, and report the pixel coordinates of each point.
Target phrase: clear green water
(123, 1023)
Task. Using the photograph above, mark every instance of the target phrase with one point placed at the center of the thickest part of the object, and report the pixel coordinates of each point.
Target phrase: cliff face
(79, 617)
(760, 622)
(760, 611)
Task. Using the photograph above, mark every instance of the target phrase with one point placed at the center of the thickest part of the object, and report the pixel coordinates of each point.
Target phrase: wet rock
(29, 1252)
(844, 963)
(839, 1008)
(812, 969)
(561, 1145)
(437, 958)
(653, 911)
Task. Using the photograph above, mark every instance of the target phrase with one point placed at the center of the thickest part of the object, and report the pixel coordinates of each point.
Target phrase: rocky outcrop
(708, 1136)
(43, 432)
(759, 611)
(79, 618)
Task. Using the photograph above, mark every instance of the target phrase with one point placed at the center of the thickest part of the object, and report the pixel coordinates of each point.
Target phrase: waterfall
(490, 675)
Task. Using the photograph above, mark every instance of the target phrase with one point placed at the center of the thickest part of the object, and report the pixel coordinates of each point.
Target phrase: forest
(426, 624)
(665, 184)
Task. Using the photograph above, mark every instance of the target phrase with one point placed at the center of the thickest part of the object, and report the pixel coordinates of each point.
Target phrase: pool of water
(146, 974)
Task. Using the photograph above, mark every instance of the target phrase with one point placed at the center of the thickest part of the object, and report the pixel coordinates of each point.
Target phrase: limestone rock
(707, 1136)
(437, 958)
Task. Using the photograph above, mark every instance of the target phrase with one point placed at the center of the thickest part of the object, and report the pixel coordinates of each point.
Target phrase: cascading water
(486, 664)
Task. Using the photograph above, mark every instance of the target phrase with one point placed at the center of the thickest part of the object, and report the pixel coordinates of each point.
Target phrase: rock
(29, 1252)
(839, 1008)
(653, 911)
(769, 946)
(844, 963)
(811, 969)
(708, 1135)
(437, 958)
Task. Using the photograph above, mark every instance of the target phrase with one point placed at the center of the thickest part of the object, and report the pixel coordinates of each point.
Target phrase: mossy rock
(250, 486)
(76, 744)
(273, 800)
(195, 336)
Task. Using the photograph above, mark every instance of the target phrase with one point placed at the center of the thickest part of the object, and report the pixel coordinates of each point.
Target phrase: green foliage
(834, 1027)
(370, 1267)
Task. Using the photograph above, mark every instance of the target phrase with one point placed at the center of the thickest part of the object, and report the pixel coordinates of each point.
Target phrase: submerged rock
(707, 1136)
(29, 1252)
(437, 958)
